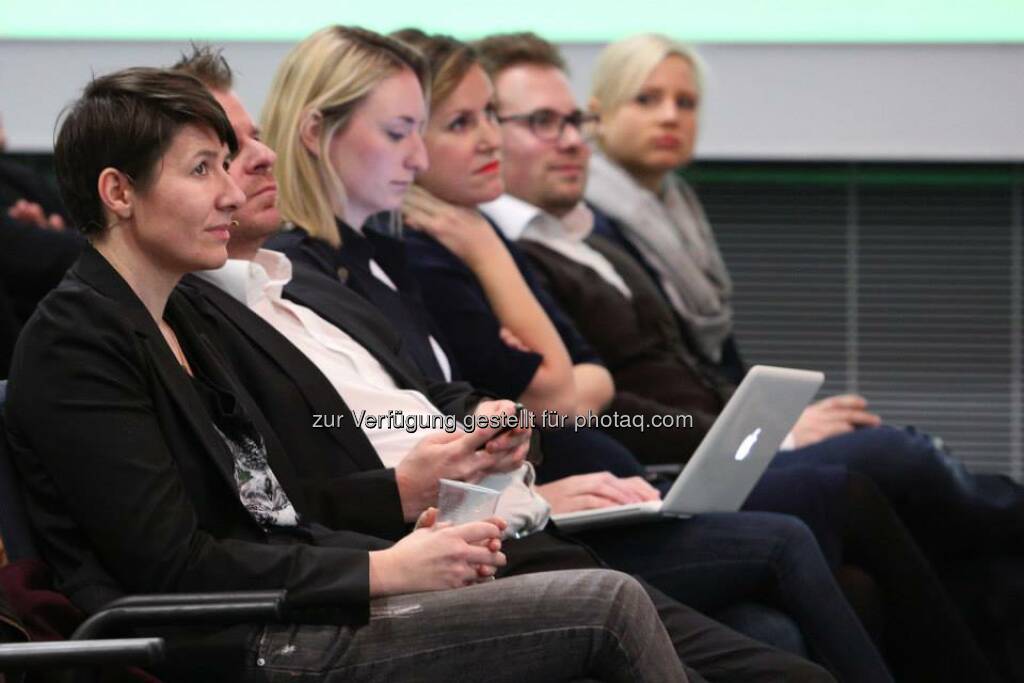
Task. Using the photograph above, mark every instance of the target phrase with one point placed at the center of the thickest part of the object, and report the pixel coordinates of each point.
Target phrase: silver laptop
(732, 456)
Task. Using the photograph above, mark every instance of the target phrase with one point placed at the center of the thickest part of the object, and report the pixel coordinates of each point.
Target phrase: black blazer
(350, 265)
(127, 481)
(340, 473)
(345, 309)
(289, 389)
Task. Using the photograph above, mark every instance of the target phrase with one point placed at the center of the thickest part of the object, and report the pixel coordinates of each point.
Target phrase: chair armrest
(235, 597)
(61, 654)
(204, 613)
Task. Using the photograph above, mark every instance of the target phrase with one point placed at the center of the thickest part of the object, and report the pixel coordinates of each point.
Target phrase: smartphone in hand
(521, 418)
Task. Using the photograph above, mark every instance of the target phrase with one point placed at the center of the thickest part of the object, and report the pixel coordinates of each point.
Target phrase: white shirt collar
(249, 281)
(516, 217)
(512, 215)
(522, 221)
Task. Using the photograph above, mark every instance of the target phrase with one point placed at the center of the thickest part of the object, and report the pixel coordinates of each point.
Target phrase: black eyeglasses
(549, 125)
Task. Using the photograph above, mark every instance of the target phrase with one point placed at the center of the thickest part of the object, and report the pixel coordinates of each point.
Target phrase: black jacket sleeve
(118, 483)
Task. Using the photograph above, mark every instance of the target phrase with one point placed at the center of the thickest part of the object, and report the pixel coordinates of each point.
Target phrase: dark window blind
(901, 284)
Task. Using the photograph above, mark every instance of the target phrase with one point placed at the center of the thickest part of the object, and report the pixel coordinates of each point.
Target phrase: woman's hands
(471, 238)
(464, 456)
(596, 490)
(462, 230)
(438, 557)
(509, 448)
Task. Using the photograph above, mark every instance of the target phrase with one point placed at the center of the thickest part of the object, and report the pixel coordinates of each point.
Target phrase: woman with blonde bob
(366, 165)
(176, 483)
(316, 91)
(344, 114)
(647, 90)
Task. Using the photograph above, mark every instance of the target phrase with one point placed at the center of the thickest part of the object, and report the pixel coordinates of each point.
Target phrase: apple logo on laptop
(748, 443)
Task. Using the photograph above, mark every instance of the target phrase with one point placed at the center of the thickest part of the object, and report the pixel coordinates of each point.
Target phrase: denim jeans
(713, 561)
(709, 650)
(553, 626)
(950, 511)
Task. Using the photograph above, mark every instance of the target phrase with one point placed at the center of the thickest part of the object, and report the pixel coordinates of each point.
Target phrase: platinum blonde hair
(624, 65)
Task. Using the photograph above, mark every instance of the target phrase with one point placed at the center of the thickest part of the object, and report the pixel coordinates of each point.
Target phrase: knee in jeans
(791, 531)
(905, 442)
(611, 582)
(616, 590)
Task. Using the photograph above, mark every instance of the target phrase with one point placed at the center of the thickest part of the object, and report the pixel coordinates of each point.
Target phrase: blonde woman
(163, 475)
(358, 161)
(344, 114)
(647, 92)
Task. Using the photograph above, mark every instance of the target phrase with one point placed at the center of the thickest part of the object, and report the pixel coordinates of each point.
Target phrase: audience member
(332, 64)
(748, 542)
(646, 88)
(148, 468)
(618, 308)
(35, 251)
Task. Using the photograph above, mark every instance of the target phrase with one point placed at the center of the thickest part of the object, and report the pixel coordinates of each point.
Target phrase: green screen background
(872, 21)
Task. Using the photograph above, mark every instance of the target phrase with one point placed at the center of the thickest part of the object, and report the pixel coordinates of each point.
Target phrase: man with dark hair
(945, 505)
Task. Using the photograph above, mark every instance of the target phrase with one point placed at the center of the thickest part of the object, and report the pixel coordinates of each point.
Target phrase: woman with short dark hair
(148, 468)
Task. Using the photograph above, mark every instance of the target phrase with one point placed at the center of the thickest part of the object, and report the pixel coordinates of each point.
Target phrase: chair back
(15, 529)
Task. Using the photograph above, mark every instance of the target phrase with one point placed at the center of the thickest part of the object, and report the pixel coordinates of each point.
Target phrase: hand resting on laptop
(596, 490)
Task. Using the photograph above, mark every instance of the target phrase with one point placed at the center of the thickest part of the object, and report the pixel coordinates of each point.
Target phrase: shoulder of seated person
(422, 249)
(76, 311)
(286, 239)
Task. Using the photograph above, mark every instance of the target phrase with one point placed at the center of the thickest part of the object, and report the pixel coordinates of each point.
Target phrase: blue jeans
(949, 510)
(713, 561)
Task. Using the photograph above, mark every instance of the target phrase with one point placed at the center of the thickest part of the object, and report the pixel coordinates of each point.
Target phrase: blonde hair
(623, 66)
(329, 74)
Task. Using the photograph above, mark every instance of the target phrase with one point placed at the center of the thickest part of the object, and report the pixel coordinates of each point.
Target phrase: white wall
(911, 102)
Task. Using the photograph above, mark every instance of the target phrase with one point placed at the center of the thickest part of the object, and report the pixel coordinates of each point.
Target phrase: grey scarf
(674, 236)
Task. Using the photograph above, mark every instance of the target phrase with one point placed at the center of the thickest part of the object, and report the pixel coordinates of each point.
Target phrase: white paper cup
(459, 502)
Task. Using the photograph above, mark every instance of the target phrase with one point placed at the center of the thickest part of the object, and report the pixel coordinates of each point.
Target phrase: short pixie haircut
(127, 120)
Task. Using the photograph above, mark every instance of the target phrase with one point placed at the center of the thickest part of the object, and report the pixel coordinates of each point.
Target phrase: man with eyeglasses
(952, 512)
(549, 125)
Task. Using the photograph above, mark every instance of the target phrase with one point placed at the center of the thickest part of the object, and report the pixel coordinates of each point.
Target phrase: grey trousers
(552, 626)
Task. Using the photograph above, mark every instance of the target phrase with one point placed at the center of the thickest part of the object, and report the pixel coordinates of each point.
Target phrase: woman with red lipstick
(148, 468)
(463, 140)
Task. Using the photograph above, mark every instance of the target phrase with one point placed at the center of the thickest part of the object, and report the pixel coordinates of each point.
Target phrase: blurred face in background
(379, 151)
(464, 144)
(546, 159)
(655, 131)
